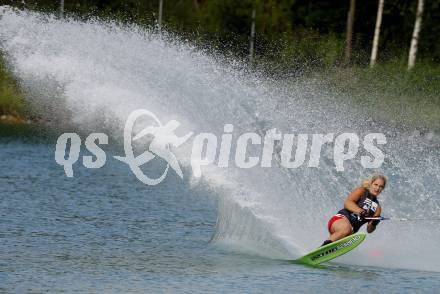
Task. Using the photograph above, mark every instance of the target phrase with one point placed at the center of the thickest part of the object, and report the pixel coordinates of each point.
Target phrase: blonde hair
(367, 182)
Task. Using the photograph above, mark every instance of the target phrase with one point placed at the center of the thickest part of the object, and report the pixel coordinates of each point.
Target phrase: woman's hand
(372, 224)
(361, 212)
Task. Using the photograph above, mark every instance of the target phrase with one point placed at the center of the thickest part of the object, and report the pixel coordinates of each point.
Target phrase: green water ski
(333, 250)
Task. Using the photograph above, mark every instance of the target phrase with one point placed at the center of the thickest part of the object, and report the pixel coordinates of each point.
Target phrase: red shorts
(333, 219)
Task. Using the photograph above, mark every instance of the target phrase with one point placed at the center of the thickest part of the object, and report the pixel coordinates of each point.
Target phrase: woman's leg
(340, 229)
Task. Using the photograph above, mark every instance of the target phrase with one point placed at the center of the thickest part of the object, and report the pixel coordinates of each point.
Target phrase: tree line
(316, 33)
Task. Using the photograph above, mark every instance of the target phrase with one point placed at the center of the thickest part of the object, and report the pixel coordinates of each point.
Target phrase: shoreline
(14, 119)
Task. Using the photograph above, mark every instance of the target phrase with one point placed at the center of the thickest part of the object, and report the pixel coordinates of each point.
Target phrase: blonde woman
(360, 203)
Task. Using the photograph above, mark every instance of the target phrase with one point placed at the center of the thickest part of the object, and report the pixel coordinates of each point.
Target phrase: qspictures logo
(209, 149)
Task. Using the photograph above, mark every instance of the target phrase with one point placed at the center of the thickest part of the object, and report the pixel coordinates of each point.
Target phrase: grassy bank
(12, 103)
(389, 92)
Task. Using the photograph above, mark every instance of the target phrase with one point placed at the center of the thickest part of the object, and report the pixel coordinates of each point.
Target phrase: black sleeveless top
(367, 202)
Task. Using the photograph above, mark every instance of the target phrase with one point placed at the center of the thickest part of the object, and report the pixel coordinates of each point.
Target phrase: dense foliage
(295, 31)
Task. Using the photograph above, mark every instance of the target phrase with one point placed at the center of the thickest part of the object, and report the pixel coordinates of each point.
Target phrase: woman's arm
(371, 227)
(352, 199)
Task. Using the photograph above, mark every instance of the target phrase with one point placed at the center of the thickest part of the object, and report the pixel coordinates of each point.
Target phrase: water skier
(360, 203)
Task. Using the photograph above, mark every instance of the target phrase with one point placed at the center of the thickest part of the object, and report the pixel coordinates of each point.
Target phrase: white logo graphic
(289, 150)
(163, 139)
